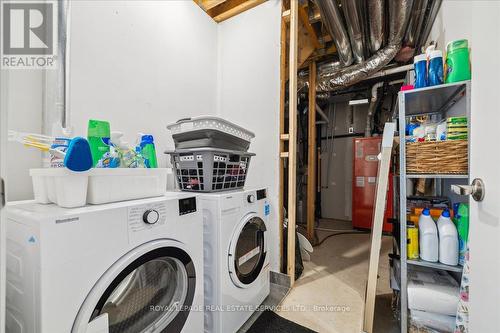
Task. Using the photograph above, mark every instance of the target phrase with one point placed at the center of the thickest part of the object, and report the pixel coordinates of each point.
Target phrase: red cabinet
(364, 184)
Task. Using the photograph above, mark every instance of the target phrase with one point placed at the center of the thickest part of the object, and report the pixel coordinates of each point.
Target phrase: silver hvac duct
(418, 31)
(399, 13)
(334, 24)
(355, 26)
(410, 40)
(376, 19)
(435, 5)
(415, 23)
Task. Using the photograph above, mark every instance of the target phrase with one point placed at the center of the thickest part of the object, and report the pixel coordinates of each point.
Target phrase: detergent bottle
(148, 150)
(448, 239)
(428, 237)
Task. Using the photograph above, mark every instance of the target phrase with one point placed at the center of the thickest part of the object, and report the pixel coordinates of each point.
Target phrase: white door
(3, 146)
(485, 164)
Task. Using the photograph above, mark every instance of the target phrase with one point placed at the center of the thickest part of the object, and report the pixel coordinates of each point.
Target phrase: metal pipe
(371, 108)
(399, 13)
(391, 71)
(62, 57)
(376, 19)
(373, 104)
(333, 21)
(352, 13)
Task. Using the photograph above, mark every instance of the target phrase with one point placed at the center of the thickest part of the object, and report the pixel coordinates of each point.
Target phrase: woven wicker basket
(437, 157)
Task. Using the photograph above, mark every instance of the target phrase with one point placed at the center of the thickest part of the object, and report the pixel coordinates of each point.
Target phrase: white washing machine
(235, 257)
(134, 266)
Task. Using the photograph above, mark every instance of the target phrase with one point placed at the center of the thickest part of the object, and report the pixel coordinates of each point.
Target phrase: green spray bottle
(98, 135)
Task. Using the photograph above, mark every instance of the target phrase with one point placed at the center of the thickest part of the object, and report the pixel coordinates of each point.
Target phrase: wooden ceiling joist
(209, 4)
(221, 10)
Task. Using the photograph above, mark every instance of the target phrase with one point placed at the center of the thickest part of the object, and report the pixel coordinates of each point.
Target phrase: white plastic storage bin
(111, 185)
(60, 186)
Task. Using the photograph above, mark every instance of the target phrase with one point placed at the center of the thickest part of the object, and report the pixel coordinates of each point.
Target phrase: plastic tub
(111, 185)
(61, 186)
(209, 131)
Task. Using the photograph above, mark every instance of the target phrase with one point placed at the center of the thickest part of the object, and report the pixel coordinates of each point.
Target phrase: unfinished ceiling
(221, 10)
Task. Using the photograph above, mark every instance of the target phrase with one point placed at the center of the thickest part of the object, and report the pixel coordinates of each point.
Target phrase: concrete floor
(335, 278)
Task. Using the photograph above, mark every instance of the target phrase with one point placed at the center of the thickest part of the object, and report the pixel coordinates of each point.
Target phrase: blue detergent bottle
(436, 75)
(420, 65)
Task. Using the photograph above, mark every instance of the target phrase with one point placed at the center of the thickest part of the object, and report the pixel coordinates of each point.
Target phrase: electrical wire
(341, 233)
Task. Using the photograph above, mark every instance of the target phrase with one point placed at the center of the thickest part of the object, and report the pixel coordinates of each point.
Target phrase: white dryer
(235, 257)
(134, 266)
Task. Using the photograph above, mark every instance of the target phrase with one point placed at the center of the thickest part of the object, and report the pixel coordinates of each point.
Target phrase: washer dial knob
(251, 198)
(150, 216)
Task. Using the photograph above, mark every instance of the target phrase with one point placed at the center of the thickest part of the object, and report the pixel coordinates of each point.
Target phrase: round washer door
(152, 293)
(247, 251)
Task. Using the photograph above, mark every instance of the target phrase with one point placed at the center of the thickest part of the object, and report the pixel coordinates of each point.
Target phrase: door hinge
(2, 193)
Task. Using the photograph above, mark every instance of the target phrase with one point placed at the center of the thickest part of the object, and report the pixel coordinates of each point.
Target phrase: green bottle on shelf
(457, 61)
(98, 134)
(148, 151)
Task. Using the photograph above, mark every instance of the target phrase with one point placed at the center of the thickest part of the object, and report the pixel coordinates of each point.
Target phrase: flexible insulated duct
(434, 7)
(376, 19)
(334, 24)
(355, 26)
(415, 23)
(399, 14)
(409, 48)
(418, 32)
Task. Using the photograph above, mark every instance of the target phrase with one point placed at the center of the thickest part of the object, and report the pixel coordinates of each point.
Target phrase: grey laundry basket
(210, 169)
(210, 131)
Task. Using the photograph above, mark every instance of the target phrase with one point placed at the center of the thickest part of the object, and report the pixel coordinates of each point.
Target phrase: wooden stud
(230, 8)
(292, 144)
(378, 221)
(284, 154)
(311, 153)
(284, 137)
(283, 78)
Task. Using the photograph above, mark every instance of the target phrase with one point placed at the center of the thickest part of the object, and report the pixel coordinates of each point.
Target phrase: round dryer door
(151, 294)
(247, 252)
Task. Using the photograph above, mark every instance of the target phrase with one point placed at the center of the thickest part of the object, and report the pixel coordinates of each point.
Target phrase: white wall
(23, 104)
(453, 22)
(249, 89)
(141, 65)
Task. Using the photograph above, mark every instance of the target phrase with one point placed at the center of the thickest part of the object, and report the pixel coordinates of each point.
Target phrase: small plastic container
(209, 131)
(119, 184)
(61, 186)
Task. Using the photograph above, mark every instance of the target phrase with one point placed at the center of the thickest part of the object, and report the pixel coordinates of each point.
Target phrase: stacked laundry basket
(211, 154)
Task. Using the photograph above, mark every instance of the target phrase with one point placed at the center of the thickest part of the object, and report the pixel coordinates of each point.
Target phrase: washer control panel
(250, 198)
(151, 216)
(187, 205)
(146, 216)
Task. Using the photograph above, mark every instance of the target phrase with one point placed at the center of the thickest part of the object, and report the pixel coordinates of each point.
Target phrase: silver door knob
(476, 189)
